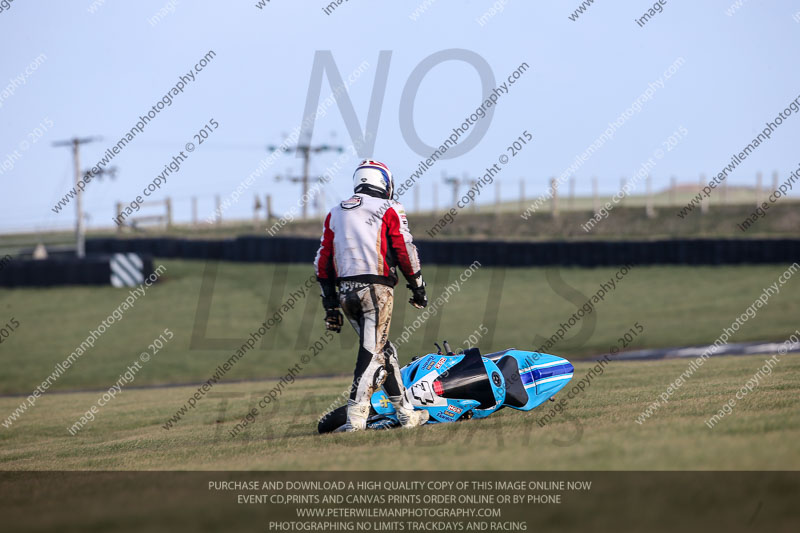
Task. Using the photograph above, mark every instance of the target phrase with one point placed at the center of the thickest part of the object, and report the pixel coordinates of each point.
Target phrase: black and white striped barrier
(127, 270)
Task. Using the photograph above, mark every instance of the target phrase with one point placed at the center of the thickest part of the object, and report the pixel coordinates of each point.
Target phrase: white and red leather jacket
(364, 239)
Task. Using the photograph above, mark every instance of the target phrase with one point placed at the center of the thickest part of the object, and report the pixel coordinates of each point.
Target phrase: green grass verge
(675, 305)
(596, 431)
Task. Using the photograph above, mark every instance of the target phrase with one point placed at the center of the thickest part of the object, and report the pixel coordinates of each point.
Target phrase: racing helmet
(373, 177)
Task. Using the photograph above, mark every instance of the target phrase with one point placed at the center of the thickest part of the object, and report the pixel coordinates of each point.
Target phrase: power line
(80, 228)
(306, 150)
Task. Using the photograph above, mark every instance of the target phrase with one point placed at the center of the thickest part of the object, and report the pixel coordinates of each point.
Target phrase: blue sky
(104, 69)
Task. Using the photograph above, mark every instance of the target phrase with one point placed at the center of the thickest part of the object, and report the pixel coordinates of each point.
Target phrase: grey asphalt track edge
(741, 348)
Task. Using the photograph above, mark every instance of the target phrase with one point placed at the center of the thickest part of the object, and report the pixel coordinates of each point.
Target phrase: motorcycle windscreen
(468, 380)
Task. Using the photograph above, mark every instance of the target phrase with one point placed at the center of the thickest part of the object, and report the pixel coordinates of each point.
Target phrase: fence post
(702, 183)
(474, 203)
(256, 209)
(673, 189)
(320, 200)
(759, 185)
(725, 192)
(595, 196)
(194, 211)
(168, 203)
(554, 188)
(651, 212)
(572, 193)
(119, 212)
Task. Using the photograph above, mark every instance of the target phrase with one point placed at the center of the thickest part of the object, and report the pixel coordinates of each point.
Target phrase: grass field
(597, 430)
(675, 305)
(518, 307)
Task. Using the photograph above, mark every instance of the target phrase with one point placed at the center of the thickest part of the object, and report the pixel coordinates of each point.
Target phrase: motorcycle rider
(364, 240)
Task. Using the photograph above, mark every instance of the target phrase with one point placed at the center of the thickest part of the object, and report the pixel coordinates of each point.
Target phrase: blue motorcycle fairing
(498, 383)
(418, 377)
(440, 363)
(518, 379)
(541, 374)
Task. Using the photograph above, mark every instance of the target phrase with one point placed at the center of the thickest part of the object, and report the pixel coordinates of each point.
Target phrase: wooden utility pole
(80, 229)
(305, 151)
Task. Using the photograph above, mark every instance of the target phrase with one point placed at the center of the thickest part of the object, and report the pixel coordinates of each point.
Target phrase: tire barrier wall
(94, 269)
(488, 253)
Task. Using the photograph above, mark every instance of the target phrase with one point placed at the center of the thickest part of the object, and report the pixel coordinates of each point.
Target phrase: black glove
(418, 297)
(333, 320)
(329, 298)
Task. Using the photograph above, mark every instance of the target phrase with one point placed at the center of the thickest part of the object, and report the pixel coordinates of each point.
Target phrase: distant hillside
(622, 223)
(781, 220)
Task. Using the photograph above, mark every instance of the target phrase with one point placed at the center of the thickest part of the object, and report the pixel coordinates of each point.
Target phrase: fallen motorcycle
(454, 387)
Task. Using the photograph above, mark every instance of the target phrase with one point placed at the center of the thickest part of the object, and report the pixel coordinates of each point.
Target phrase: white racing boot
(356, 416)
(408, 417)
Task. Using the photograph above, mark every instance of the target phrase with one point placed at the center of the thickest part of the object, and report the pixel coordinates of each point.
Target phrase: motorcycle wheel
(333, 420)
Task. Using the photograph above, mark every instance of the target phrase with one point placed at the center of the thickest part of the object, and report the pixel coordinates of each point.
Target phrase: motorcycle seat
(516, 394)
